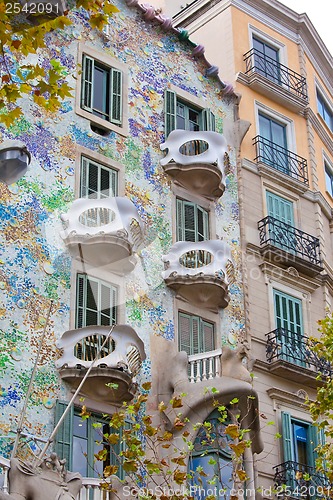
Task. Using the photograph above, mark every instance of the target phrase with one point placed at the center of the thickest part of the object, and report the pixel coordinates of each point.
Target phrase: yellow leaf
(239, 448)
(110, 470)
(176, 402)
(146, 386)
(113, 438)
(162, 406)
(242, 475)
(232, 430)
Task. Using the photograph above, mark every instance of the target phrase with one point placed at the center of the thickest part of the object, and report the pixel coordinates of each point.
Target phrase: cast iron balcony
(104, 233)
(301, 481)
(258, 62)
(292, 347)
(200, 272)
(195, 160)
(281, 159)
(118, 361)
(286, 244)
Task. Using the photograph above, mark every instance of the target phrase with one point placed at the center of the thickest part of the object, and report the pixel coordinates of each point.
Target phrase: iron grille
(301, 481)
(289, 239)
(286, 345)
(258, 62)
(281, 159)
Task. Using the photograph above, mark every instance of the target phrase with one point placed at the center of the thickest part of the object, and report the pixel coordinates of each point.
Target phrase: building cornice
(296, 27)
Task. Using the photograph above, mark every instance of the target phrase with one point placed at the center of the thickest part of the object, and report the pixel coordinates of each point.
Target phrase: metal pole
(32, 378)
(55, 430)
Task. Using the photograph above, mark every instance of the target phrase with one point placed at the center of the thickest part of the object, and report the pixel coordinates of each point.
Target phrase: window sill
(104, 124)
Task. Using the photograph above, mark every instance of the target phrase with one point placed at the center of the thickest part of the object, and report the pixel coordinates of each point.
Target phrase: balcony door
(289, 327)
(273, 145)
(266, 60)
(281, 226)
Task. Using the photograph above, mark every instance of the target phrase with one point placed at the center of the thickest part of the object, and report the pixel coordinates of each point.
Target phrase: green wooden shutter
(87, 94)
(84, 177)
(196, 336)
(287, 437)
(288, 312)
(81, 287)
(208, 120)
(116, 96)
(180, 220)
(190, 221)
(63, 440)
(208, 336)
(280, 208)
(316, 437)
(170, 111)
(184, 332)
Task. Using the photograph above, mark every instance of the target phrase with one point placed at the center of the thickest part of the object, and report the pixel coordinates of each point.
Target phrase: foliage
(155, 457)
(23, 33)
(322, 408)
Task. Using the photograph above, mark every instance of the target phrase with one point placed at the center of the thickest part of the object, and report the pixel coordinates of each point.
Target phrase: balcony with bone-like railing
(200, 272)
(104, 232)
(281, 159)
(283, 243)
(275, 80)
(288, 351)
(195, 161)
(301, 481)
(114, 360)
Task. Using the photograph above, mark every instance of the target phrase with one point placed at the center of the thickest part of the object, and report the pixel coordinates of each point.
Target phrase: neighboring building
(154, 250)
(283, 72)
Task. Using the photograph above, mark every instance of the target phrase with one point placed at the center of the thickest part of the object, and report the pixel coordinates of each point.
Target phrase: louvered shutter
(84, 177)
(184, 332)
(196, 334)
(80, 300)
(190, 221)
(180, 220)
(116, 96)
(287, 437)
(64, 438)
(87, 94)
(316, 437)
(202, 229)
(170, 111)
(280, 208)
(208, 120)
(208, 336)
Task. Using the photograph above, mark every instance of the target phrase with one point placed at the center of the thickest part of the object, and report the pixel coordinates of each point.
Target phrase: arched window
(210, 465)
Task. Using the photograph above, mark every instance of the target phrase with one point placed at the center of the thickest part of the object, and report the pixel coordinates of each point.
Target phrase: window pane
(80, 445)
(92, 294)
(101, 91)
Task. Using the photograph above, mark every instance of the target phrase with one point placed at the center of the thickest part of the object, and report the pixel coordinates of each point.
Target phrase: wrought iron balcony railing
(281, 159)
(285, 345)
(301, 481)
(289, 239)
(258, 62)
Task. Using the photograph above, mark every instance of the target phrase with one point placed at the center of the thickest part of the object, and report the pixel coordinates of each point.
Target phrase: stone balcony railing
(103, 233)
(204, 366)
(115, 360)
(195, 161)
(200, 272)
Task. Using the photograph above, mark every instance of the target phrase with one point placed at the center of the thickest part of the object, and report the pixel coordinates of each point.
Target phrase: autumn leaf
(130, 466)
(180, 477)
(113, 438)
(178, 424)
(179, 461)
(162, 406)
(110, 470)
(101, 455)
(176, 402)
(232, 430)
(146, 386)
(241, 474)
(238, 448)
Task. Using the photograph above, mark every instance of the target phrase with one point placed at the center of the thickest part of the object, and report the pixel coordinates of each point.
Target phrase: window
(95, 302)
(212, 455)
(192, 222)
(266, 60)
(281, 225)
(79, 440)
(273, 145)
(329, 178)
(299, 440)
(97, 181)
(195, 335)
(101, 92)
(289, 325)
(325, 110)
(182, 115)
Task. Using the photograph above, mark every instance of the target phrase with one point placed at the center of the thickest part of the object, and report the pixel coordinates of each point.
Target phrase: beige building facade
(283, 73)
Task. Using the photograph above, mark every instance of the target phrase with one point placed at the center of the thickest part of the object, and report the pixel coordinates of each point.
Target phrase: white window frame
(260, 108)
(328, 163)
(328, 103)
(109, 62)
(273, 42)
(102, 160)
